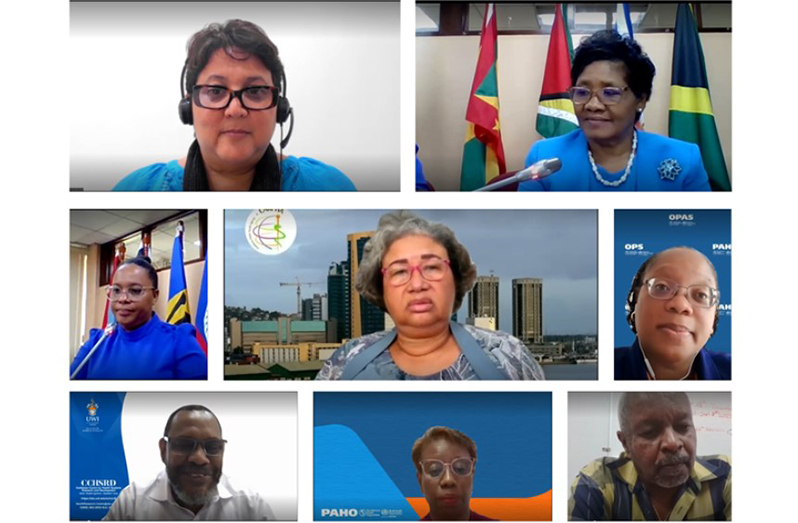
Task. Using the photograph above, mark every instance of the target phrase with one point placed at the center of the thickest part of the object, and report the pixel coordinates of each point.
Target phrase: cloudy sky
(558, 246)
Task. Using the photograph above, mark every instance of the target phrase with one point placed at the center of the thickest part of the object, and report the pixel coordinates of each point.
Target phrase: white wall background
(260, 429)
(341, 61)
(445, 68)
(593, 423)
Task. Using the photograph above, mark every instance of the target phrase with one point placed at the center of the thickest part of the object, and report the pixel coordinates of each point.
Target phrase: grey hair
(631, 399)
(398, 224)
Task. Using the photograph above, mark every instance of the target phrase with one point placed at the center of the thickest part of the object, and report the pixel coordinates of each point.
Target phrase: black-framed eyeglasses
(254, 97)
(606, 95)
(702, 296)
(133, 293)
(187, 446)
(435, 468)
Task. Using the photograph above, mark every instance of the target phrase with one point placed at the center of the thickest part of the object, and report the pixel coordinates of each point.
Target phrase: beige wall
(445, 70)
(95, 302)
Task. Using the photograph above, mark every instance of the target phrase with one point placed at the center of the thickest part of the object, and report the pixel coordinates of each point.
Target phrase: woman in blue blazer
(612, 80)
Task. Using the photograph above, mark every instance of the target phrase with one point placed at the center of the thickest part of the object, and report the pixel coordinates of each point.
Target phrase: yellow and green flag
(690, 117)
(483, 153)
(555, 109)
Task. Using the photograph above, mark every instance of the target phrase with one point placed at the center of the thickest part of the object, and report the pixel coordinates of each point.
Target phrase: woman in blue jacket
(140, 346)
(612, 80)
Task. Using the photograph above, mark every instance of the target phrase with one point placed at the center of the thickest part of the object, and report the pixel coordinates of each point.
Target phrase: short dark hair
(444, 433)
(610, 45)
(232, 36)
(146, 264)
(628, 399)
(637, 284)
(189, 408)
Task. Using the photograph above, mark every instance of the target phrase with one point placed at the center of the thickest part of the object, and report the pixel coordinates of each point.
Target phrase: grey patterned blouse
(508, 353)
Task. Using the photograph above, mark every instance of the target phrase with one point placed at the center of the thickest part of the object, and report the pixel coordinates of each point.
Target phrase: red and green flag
(690, 117)
(483, 153)
(555, 109)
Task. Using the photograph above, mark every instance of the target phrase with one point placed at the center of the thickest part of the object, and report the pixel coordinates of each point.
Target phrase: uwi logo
(339, 512)
(92, 410)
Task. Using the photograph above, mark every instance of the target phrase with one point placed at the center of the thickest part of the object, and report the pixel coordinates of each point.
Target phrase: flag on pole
(555, 109)
(202, 310)
(623, 21)
(483, 153)
(177, 309)
(690, 117)
(108, 314)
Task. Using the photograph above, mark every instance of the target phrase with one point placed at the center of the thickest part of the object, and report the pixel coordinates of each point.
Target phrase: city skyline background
(557, 246)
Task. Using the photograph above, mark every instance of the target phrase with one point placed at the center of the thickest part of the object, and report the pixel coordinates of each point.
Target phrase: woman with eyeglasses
(672, 308)
(612, 80)
(418, 273)
(140, 346)
(233, 90)
(445, 461)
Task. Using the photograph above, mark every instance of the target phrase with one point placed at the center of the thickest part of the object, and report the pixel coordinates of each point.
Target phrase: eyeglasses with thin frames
(606, 95)
(432, 269)
(133, 293)
(702, 296)
(435, 468)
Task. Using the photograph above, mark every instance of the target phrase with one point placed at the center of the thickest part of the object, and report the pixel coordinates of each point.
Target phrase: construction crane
(299, 285)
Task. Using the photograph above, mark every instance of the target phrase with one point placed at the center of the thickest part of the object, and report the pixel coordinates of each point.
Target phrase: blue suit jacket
(708, 365)
(652, 151)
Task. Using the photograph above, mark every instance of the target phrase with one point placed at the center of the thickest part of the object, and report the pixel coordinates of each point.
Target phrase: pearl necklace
(623, 178)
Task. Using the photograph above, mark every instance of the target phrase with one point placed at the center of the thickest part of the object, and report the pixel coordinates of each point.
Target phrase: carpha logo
(339, 512)
(634, 247)
(680, 217)
(721, 246)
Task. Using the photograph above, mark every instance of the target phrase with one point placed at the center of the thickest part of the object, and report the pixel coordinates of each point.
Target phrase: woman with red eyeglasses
(418, 273)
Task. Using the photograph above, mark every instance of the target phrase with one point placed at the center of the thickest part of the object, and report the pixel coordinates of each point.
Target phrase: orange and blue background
(363, 440)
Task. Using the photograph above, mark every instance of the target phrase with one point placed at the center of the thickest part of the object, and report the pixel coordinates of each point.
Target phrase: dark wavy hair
(235, 37)
(146, 264)
(610, 45)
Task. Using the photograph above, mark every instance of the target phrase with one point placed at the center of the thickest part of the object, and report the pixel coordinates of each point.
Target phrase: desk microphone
(107, 332)
(536, 171)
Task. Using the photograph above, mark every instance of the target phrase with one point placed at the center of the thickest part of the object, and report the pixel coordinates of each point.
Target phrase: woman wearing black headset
(235, 96)
(672, 307)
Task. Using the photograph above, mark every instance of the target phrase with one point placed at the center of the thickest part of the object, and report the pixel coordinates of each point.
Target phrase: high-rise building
(315, 308)
(528, 310)
(365, 317)
(338, 302)
(483, 300)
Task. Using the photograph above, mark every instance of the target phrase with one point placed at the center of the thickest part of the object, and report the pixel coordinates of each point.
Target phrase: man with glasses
(658, 477)
(192, 487)
(445, 460)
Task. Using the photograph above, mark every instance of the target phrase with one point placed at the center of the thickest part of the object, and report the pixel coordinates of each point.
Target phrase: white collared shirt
(154, 502)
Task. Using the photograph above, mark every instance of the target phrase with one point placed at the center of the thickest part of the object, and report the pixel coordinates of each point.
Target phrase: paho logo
(721, 246)
(680, 217)
(634, 247)
(339, 512)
